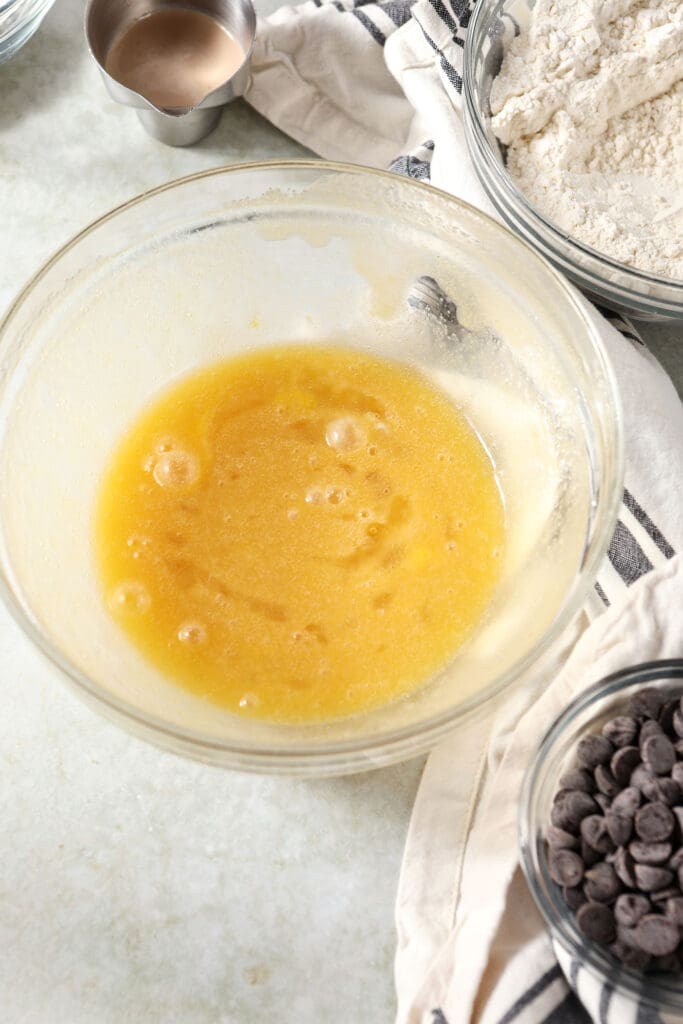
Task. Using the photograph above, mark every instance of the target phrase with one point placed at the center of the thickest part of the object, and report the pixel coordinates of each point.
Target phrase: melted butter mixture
(301, 533)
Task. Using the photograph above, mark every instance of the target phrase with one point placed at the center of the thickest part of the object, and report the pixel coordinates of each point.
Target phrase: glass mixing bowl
(19, 19)
(584, 963)
(256, 255)
(607, 282)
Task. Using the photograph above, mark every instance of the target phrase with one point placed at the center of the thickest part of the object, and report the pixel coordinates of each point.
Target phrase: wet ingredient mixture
(300, 533)
(174, 57)
(589, 102)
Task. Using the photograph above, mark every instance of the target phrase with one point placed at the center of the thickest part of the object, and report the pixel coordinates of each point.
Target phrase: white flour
(590, 102)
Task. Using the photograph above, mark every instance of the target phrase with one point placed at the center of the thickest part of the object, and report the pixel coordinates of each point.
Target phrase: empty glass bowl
(587, 966)
(492, 28)
(242, 257)
(19, 19)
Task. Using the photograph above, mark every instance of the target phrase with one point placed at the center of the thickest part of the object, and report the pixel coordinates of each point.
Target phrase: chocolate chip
(569, 810)
(667, 893)
(558, 838)
(604, 802)
(677, 773)
(627, 936)
(606, 782)
(678, 815)
(674, 910)
(649, 878)
(596, 921)
(658, 754)
(589, 856)
(594, 833)
(678, 747)
(650, 853)
(625, 867)
(679, 876)
(630, 907)
(623, 764)
(573, 897)
(662, 789)
(619, 828)
(678, 722)
(640, 777)
(621, 731)
(627, 802)
(578, 778)
(654, 822)
(657, 935)
(594, 750)
(601, 884)
(676, 859)
(648, 729)
(565, 867)
(646, 703)
(666, 716)
(633, 958)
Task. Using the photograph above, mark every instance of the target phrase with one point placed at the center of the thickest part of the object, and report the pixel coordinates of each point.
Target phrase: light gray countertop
(135, 886)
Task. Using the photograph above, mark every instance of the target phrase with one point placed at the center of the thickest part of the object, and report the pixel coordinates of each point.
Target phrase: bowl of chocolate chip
(601, 838)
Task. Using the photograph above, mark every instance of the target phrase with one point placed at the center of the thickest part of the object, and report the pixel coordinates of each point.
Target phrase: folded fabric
(380, 84)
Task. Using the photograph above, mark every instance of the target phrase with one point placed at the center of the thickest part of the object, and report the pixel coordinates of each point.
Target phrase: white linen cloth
(379, 84)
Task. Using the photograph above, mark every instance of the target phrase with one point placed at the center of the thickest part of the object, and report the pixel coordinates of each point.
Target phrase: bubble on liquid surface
(345, 434)
(314, 496)
(249, 700)
(137, 544)
(176, 468)
(130, 598)
(192, 633)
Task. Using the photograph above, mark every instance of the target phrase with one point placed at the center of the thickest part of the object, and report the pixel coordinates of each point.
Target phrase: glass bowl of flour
(573, 121)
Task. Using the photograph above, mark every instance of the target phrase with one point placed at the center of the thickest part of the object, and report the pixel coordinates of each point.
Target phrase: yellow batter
(300, 533)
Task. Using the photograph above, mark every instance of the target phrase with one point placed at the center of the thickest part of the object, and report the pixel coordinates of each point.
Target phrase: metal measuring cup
(105, 20)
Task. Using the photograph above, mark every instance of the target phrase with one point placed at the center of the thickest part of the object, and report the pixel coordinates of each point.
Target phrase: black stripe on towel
(647, 1015)
(653, 532)
(602, 595)
(397, 10)
(623, 325)
(448, 69)
(531, 993)
(411, 167)
(438, 1017)
(445, 15)
(462, 9)
(627, 556)
(569, 1011)
(605, 1000)
(375, 32)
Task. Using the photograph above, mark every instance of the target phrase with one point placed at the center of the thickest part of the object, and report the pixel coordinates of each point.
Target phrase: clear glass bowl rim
(558, 241)
(354, 754)
(545, 893)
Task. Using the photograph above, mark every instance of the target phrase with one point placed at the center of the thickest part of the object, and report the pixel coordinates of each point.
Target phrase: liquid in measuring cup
(174, 57)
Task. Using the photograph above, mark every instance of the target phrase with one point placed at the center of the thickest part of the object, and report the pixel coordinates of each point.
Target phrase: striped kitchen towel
(380, 84)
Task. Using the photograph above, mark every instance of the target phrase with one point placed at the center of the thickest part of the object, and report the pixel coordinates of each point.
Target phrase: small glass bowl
(585, 963)
(604, 280)
(19, 19)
